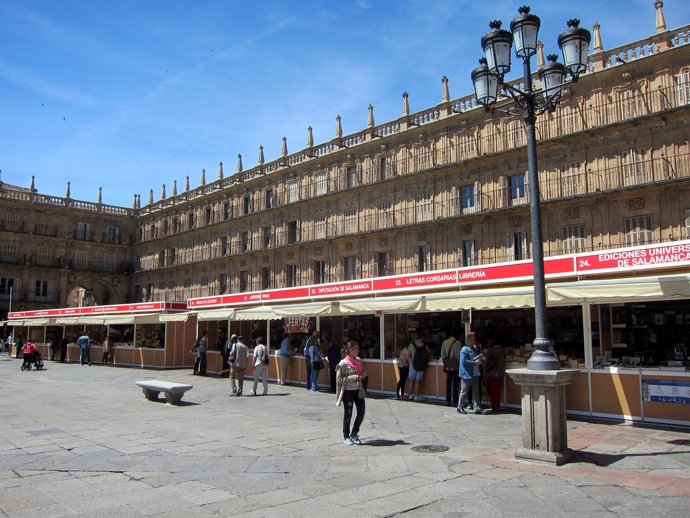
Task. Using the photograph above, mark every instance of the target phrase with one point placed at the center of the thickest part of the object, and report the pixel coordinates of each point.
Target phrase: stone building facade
(61, 252)
(440, 188)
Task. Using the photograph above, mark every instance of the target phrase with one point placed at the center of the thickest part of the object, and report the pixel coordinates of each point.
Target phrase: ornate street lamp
(487, 78)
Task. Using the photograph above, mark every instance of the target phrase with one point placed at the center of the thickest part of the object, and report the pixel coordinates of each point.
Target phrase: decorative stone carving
(515, 221)
(636, 204)
(383, 242)
(421, 236)
(572, 213)
(243, 262)
(466, 228)
(348, 247)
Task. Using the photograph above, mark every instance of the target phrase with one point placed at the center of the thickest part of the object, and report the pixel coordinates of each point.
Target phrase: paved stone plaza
(83, 441)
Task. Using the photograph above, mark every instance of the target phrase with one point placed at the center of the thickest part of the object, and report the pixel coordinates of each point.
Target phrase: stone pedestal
(544, 432)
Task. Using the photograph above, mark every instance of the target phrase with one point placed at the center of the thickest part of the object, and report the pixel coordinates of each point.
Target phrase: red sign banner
(638, 258)
(286, 294)
(100, 310)
(417, 281)
(341, 288)
(506, 272)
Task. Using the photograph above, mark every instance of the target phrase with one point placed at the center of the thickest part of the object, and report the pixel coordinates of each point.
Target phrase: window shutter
(477, 197)
(503, 194)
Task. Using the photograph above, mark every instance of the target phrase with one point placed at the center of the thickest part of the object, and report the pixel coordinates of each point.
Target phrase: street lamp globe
(525, 29)
(574, 43)
(552, 76)
(485, 84)
(497, 45)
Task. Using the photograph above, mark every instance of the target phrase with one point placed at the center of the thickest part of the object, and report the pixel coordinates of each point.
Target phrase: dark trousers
(452, 387)
(494, 385)
(202, 363)
(351, 398)
(308, 364)
(331, 372)
(28, 360)
(63, 354)
(197, 361)
(53, 353)
(400, 388)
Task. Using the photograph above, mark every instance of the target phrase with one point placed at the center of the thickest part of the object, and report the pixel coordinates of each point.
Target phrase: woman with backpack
(418, 358)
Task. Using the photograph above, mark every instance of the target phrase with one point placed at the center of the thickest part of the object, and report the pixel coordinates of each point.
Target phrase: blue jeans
(202, 363)
(309, 372)
(85, 355)
(314, 379)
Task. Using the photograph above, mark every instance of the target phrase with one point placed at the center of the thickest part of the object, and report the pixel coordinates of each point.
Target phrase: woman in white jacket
(350, 374)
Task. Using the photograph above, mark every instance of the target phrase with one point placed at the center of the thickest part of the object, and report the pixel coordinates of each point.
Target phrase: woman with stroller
(31, 355)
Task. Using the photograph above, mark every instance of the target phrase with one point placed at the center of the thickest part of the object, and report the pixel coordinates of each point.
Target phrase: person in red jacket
(30, 352)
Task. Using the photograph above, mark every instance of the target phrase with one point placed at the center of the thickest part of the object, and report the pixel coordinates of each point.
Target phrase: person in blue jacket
(470, 374)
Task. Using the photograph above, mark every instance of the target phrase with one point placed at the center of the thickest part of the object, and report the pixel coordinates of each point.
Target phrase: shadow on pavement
(384, 442)
(607, 459)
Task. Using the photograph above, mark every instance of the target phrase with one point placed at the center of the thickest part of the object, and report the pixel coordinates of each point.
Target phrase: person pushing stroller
(32, 356)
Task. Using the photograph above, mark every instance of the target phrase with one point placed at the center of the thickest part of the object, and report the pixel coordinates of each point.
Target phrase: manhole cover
(430, 448)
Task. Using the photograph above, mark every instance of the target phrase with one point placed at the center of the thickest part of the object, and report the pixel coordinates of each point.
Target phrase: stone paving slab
(93, 446)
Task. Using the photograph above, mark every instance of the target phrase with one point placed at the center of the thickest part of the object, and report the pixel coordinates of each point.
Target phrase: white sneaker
(349, 441)
(355, 439)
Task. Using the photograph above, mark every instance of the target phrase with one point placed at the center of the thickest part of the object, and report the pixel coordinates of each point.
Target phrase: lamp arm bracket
(514, 92)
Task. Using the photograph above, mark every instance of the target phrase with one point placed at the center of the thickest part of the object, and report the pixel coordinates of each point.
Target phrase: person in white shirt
(260, 365)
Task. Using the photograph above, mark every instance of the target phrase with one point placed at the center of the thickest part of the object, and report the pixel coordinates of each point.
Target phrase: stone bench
(173, 391)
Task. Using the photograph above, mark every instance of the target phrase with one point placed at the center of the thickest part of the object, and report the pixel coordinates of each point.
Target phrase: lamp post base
(544, 430)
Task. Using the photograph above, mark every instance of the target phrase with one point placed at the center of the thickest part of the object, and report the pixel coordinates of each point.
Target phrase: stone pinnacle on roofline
(660, 20)
(338, 127)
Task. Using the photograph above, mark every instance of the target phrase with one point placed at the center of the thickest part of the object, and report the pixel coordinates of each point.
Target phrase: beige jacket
(346, 379)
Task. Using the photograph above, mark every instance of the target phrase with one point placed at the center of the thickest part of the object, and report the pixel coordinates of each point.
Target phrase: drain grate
(430, 448)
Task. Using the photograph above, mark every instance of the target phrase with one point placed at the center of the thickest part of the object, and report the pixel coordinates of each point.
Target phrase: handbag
(451, 363)
(317, 364)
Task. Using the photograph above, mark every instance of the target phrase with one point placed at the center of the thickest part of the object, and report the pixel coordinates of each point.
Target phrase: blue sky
(132, 94)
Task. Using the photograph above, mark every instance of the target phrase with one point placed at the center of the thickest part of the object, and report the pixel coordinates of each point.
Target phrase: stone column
(544, 432)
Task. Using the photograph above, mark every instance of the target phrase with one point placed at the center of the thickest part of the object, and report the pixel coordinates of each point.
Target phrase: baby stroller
(34, 359)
